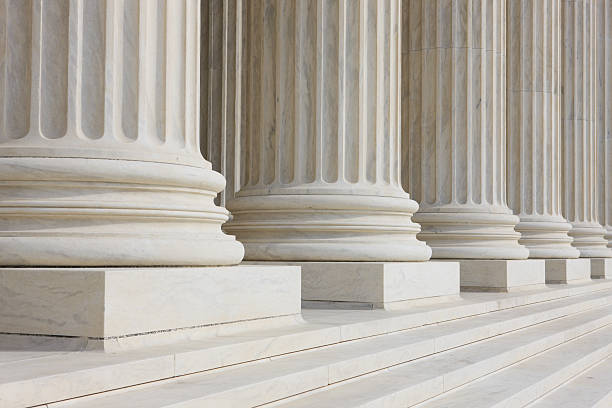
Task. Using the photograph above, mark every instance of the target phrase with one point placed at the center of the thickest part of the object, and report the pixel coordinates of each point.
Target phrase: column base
(117, 308)
(568, 270)
(368, 285)
(546, 237)
(589, 240)
(601, 268)
(496, 275)
(340, 227)
(470, 234)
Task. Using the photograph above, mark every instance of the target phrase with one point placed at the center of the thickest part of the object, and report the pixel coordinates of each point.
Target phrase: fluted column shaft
(319, 147)
(454, 116)
(578, 107)
(604, 117)
(100, 161)
(534, 131)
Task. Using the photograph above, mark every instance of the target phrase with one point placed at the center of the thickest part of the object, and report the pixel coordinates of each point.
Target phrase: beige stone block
(377, 284)
(501, 275)
(601, 268)
(567, 270)
(118, 304)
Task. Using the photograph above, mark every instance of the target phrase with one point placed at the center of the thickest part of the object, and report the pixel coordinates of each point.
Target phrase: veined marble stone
(568, 270)
(534, 127)
(499, 275)
(454, 135)
(318, 177)
(578, 122)
(387, 285)
(100, 162)
(601, 268)
(119, 308)
(604, 117)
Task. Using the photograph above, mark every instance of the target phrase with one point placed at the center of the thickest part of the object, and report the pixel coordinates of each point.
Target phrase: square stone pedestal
(132, 307)
(501, 275)
(601, 268)
(367, 285)
(568, 270)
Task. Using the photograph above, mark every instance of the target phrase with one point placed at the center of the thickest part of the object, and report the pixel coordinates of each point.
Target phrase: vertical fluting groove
(268, 129)
(371, 48)
(461, 109)
(285, 136)
(363, 90)
(126, 68)
(92, 59)
(319, 91)
(351, 93)
(341, 95)
(175, 74)
(457, 134)
(152, 71)
(579, 122)
(91, 74)
(342, 58)
(54, 50)
(327, 106)
(16, 76)
(533, 136)
(190, 84)
(379, 69)
(5, 134)
(604, 117)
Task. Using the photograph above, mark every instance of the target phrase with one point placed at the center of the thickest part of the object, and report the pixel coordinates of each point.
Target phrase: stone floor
(543, 347)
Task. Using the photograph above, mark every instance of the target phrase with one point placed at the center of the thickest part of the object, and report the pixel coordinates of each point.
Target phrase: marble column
(100, 162)
(454, 135)
(319, 173)
(604, 117)
(578, 109)
(533, 127)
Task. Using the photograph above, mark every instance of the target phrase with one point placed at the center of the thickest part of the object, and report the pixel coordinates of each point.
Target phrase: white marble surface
(422, 379)
(125, 307)
(524, 382)
(377, 283)
(579, 127)
(592, 388)
(319, 175)
(47, 376)
(99, 142)
(531, 330)
(601, 268)
(534, 127)
(501, 275)
(604, 117)
(568, 270)
(454, 127)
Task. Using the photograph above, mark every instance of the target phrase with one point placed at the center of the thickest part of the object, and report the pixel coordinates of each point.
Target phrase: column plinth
(100, 158)
(454, 114)
(319, 178)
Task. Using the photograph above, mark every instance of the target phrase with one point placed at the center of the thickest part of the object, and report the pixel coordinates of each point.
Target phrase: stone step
(287, 376)
(527, 381)
(592, 388)
(35, 378)
(415, 382)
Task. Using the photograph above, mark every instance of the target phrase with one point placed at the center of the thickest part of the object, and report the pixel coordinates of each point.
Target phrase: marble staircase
(485, 349)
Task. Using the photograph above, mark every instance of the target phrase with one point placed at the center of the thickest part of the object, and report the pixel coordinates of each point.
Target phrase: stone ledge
(132, 307)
